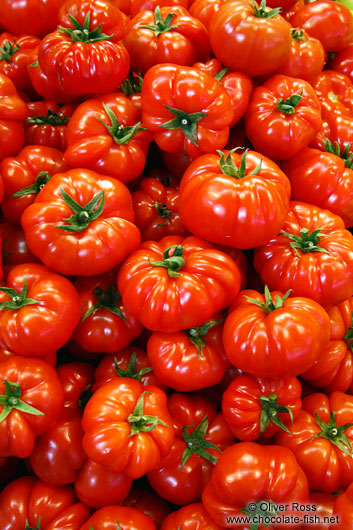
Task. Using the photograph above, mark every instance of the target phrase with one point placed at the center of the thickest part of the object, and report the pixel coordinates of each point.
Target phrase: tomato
(323, 503)
(177, 283)
(81, 223)
(256, 341)
(104, 135)
(31, 400)
(105, 325)
(250, 38)
(35, 304)
(193, 110)
(14, 58)
(334, 368)
(13, 110)
(129, 362)
(28, 501)
(47, 124)
(165, 35)
(336, 128)
(329, 22)
(343, 510)
(321, 438)
(190, 517)
(334, 91)
(141, 5)
(40, 15)
(58, 456)
(25, 175)
(239, 200)
(249, 472)
(127, 427)
(343, 62)
(312, 256)
(97, 486)
(122, 517)
(149, 503)
(156, 209)
(15, 250)
(306, 58)
(256, 406)
(201, 434)
(190, 359)
(283, 116)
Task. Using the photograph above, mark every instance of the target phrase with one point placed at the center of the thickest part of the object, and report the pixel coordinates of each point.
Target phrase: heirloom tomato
(136, 6)
(30, 503)
(13, 110)
(343, 62)
(81, 223)
(149, 503)
(127, 427)
(190, 517)
(118, 517)
(14, 56)
(321, 439)
(343, 510)
(239, 200)
(47, 123)
(40, 15)
(312, 256)
(31, 400)
(177, 283)
(335, 92)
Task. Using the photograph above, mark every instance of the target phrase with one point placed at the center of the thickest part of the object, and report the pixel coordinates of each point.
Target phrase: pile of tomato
(176, 286)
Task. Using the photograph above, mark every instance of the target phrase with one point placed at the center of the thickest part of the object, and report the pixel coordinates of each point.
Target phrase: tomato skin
(149, 503)
(91, 145)
(15, 67)
(50, 133)
(186, 42)
(31, 499)
(42, 14)
(40, 388)
(208, 272)
(247, 471)
(242, 408)
(343, 62)
(129, 519)
(246, 43)
(107, 429)
(13, 110)
(103, 331)
(190, 517)
(274, 133)
(136, 6)
(232, 211)
(84, 253)
(343, 510)
(327, 467)
(21, 171)
(196, 92)
(326, 278)
(177, 363)
(334, 91)
(329, 22)
(257, 343)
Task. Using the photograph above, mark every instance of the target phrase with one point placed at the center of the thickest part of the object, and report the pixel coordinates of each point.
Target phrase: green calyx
(270, 306)
(7, 50)
(141, 422)
(52, 118)
(108, 300)
(298, 34)
(132, 85)
(121, 134)
(334, 433)
(262, 12)
(306, 242)
(161, 26)
(83, 33)
(118, 527)
(83, 215)
(218, 77)
(163, 211)
(18, 300)
(172, 263)
(184, 121)
(335, 149)
(11, 400)
(196, 335)
(348, 338)
(289, 105)
(195, 443)
(229, 168)
(256, 511)
(270, 411)
(41, 180)
(131, 371)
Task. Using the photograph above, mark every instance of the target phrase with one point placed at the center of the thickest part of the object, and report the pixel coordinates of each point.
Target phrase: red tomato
(334, 91)
(81, 223)
(191, 517)
(127, 427)
(31, 502)
(13, 110)
(14, 56)
(313, 256)
(31, 400)
(343, 510)
(40, 15)
(121, 517)
(239, 200)
(249, 38)
(15, 250)
(149, 503)
(177, 283)
(141, 5)
(47, 124)
(343, 62)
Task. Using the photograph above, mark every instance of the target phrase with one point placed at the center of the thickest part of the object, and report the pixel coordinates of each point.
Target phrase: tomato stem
(298, 34)
(11, 400)
(163, 211)
(264, 12)
(172, 263)
(52, 118)
(270, 411)
(229, 168)
(196, 335)
(161, 26)
(121, 134)
(334, 433)
(140, 422)
(42, 179)
(269, 306)
(83, 215)
(195, 443)
(335, 149)
(131, 370)
(306, 242)
(108, 300)
(289, 105)
(83, 33)
(184, 121)
(7, 50)
(132, 85)
(18, 300)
